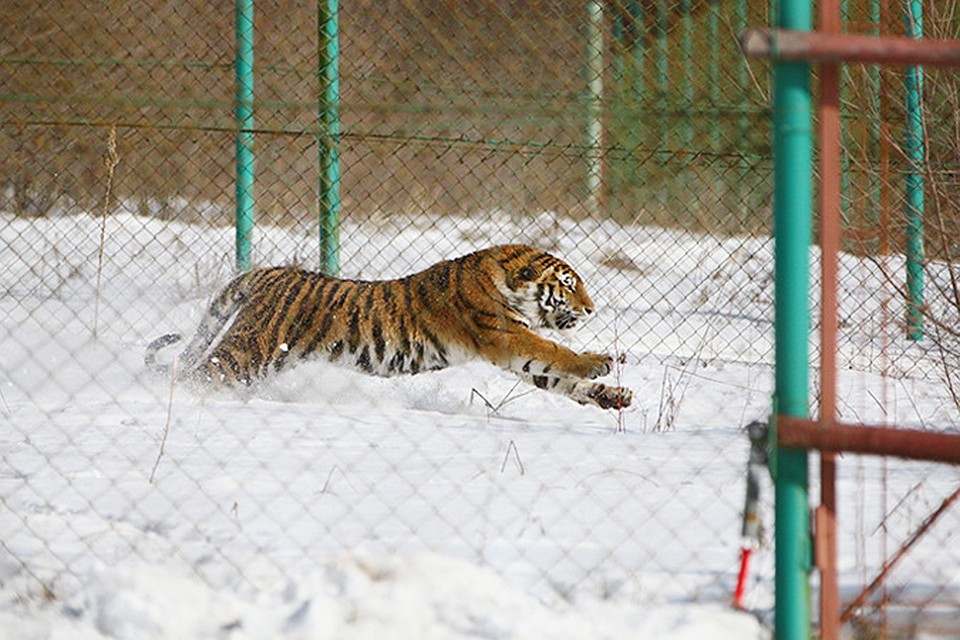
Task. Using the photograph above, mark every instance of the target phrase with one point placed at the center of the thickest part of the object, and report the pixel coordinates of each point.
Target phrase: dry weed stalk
(946, 221)
(874, 210)
(326, 483)
(619, 360)
(516, 456)
(6, 405)
(110, 162)
(166, 425)
(669, 405)
(494, 409)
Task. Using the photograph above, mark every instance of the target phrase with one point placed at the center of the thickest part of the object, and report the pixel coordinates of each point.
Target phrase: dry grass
(447, 108)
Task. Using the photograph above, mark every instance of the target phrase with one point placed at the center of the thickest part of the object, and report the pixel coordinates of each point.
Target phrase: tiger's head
(546, 291)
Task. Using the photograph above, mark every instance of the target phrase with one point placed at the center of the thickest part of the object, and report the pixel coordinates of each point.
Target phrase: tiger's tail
(150, 357)
(223, 308)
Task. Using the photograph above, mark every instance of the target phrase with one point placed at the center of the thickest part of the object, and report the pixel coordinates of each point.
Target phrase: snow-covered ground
(328, 504)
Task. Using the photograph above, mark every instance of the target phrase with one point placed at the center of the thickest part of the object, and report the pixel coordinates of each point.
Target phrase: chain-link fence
(630, 139)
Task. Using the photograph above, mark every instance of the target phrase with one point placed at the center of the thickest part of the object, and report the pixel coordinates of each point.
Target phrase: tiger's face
(550, 295)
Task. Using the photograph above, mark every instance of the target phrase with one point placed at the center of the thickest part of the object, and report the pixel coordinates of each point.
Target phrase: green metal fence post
(639, 51)
(328, 139)
(744, 123)
(686, 45)
(793, 156)
(914, 149)
(594, 108)
(244, 141)
(713, 34)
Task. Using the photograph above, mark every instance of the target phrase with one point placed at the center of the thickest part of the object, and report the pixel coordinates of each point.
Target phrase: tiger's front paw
(593, 365)
(610, 397)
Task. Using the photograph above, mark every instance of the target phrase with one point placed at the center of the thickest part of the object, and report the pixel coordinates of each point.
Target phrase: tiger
(481, 306)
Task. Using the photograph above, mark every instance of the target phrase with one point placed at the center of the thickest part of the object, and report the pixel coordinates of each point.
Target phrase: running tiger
(481, 306)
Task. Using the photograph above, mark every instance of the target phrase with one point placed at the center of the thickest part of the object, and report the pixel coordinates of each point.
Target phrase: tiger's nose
(588, 311)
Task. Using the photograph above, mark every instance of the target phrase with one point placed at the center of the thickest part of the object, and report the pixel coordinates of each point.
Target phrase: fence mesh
(629, 138)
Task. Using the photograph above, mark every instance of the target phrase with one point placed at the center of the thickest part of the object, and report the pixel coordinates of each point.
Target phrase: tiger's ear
(526, 274)
(516, 279)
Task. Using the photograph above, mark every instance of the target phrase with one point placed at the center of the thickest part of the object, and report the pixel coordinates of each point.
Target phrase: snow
(455, 504)
(419, 596)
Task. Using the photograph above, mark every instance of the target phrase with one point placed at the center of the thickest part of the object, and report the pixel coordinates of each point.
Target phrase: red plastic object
(742, 577)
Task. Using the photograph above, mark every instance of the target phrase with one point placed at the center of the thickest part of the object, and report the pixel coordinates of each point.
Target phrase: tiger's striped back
(479, 306)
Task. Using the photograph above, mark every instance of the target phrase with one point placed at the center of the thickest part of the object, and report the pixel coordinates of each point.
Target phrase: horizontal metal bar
(912, 444)
(783, 44)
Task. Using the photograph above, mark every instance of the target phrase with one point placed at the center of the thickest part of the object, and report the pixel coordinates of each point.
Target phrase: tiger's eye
(526, 273)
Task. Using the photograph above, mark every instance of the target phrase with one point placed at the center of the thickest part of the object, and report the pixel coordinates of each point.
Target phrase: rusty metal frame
(888, 566)
(830, 47)
(835, 437)
(835, 47)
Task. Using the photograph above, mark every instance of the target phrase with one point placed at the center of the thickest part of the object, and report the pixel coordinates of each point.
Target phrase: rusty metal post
(825, 519)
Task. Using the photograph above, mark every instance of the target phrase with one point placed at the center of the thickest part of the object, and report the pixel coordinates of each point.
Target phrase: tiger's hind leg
(582, 391)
